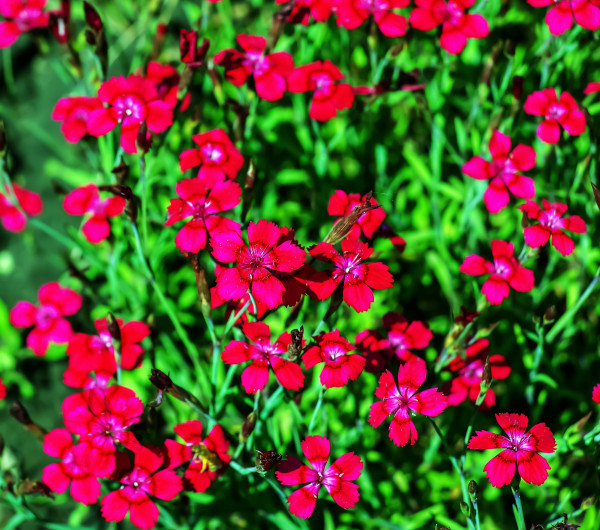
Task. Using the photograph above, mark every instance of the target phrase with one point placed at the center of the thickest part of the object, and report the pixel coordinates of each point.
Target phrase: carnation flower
(595, 394)
(13, 219)
(2, 390)
(21, 16)
(404, 336)
(165, 79)
(341, 204)
(352, 13)
(74, 113)
(592, 87)
(560, 17)
(303, 10)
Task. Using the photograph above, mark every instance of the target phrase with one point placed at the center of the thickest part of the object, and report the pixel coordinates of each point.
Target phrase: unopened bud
(29, 487)
(92, 18)
(295, 348)
(267, 460)
(342, 228)
(19, 413)
(465, 509)
(143, 139)
(472, 487)
(248, 426)
(201, 285)
(550, 315)
(524, 221)
(120, 190)
(596, 191)
(487, 372)
(113, 328)
(517, 86)
(121, 172)
(164, 383)
(248, 191)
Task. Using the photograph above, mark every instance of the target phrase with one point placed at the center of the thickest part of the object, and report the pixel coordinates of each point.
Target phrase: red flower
(263, 355)
(375, 349)
(257, 262)
(2, 390)
(504, 172)
(12, 218)
(560, 18)
(339, 367)
(564, 111)
(191, 54)
(207, 456)
(592, 87)
(352, 13)
(341, 204)
(399, 400)
(201, 200)
(166, 82)
(504, 272)
(136, 486)
(131, 101)
(73, 469)
(595, 394)
(457, 26)
(22, 16)
(86, 199)
(320, 77)
(403, 337)
(217, 156)
(56, 302)
(302, 10)
(337, 478)
(269, 71)
(358, 278)
(74, 113)
(520, 450)
(551, 223)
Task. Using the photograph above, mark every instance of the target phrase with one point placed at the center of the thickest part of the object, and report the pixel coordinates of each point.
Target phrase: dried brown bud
(517, 89)
(120, 190)
(19, 413)
(550, 315)
(524, 220)
(157, 400)
(341, 229)
(164, 383)
(487, 372)
(29, 487)
(267, 460)
(248, 426)
(121, 172)
(143, 140)
(113, 328)
(201, 285)
(295, 348)
(472, 487)
(92, 18)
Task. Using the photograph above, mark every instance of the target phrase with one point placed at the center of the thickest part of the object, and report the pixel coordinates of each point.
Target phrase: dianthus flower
(202, 200)
(267, 252)
(504, 172)
(358, 278)
(2, 390)
(131, 101)
(47, 320)
(13, 219)
(402, 398)
(375, 349)
(329, 96)
(208, 456)
(217, 156)
(263, 355)
(595, 394)
(520, 452)
(564, 111)
(560, 17)
(337, 478)
(74, 114)
(404, 336)
(22, 16)
(332, 349)
(137, 485)
(269, 71)
(342, 203)
(505, 271)
(352, 13)
(303, 10)
(551, 224)
(592, 87)
(86, 200)
(165, 79)
(457, 26)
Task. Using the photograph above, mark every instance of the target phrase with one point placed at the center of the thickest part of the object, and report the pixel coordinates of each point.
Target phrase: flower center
(130, 107)
(45, 316)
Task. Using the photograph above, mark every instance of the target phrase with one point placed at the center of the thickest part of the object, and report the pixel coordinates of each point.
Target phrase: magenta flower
(268, 252)
(520, 452)
(352, 13)
(332, 349)
(22, 16)
(13, 219)
(402, 398)
(457, 26)
(2, 390)
(504, 172)
(595, 394)
(342, 203)
(337, 478)
(592, 87)
(303, 10)
(358, 278)
(165, 79)
(86, 200)
(560, 17)
(564, 112)
(47, 320)
(505, 272)
(263, 355)
(74, 114)
(404, 336)
(551, 224)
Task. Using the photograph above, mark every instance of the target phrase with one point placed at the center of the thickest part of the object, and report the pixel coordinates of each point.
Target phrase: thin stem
(319, 327)
(271, 403)
(242, 470)
(231, 322)
(317, 409)
(446, 351)
(477, 523)
(519, 517)
(9, 79)
(144, 202)
(539, 351)
(224, 387)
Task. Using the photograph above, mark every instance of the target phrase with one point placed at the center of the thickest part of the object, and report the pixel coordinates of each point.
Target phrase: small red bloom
(342, 203)
(337, 478)
(191, 54)
(86, 200)
(457, 26)
(596, 394)
(564, 111)
(339, 367)
(2, 390)
(560, 17)
(165, 80)
(520, 452)
(329, 96)
(303, 10)
(404, 336)
(47, 320)
(551, 224)
(466, 316)
(74, 113)
(22, 16)
(263, 355)
(12, 218)
(352, 13)
(504, 272)
(592, 87)
(504, 172)
(402, 398)
(375, 350)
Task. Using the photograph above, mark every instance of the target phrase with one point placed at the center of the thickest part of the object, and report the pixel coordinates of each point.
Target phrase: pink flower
(329, 96)
(504, 272)
(352, 13)
(165, 79)
(337, 478)
(86, 200)
(269, 71)
(339, 367)
(189, 51)
(551, 224)
(2, 390)
(595, 394)
(520, 450)
(131, 101)
(136, 487)
(201, 200)
(47, 320)
(12, 218)
(74, 113)
(375, 350)
(341, 204)
(263, 355)
(592, 87)
(457, 26)
(303, 10)
(217, 156)
(22, 16)
(207, 456)
(504, 172)
(399, 400)
(404, 336)
(564, 111)
(268, 252)
(358, 278)
(560, 18)
(73, 469)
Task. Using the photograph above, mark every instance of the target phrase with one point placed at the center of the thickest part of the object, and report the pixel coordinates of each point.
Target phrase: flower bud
(143, 140)
(465, 509)
(342, 228)
(596, 191)
(28, 487)
(201, 285)
(113, 328)
(248, 427)
(472, 487)
(19, 413)
(120, 190)
(164, 383)
(517, 89)
(248, 191)
(92, 18)
(295, 348)
(486, 382)
(550, 315)
(267, 460)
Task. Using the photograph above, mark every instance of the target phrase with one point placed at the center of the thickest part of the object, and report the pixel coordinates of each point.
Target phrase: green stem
(539, 351)
(144, 202)
(271, 403)
(518, 509)
(477, 523)
(317, 409)
(223, 390)
(441, 362)
(231, 322)
(9, 79)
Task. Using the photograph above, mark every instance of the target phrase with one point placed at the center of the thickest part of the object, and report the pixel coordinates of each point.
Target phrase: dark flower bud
(143, 139)
(120, 190)
(89, 37)
(29, 487)
(248, 426)
(342, 228)
(465, 509)
(267, 460)
(472, 487)
(248, 191)
(550, 315)
(59, 26)
(596, 191)
(295, 348)
(201, 285)
(113, 328)
(121, 172)
(92, 18)
(517, 86)
(487, 372)
(164, 383)
(157, 400)
(19, 413)
(190, 53)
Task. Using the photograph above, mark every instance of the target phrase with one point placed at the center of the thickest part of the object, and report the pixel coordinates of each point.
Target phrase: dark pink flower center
(130, 107)
(28, 19)
(373, 6)
(473, 371)
(398, 340)
(323, 83)
(212, 153)
(45, 316)
(138, 479)
(551, 219)
(503, 268)
(257, 62)
(345, 266)
(263, 350)
(448, 13)
(102, 343)
(519, 440)
(556, 111)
